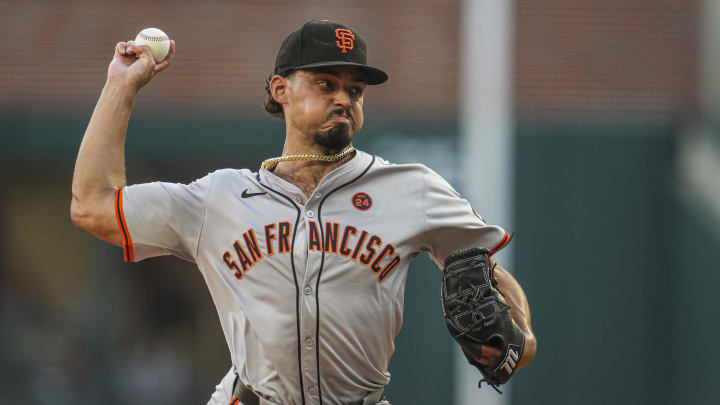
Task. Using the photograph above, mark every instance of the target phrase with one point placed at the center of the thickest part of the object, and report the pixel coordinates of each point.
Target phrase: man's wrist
(119, 88)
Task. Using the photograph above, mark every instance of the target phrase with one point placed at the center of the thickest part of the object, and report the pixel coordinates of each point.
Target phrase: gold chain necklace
(271, 163)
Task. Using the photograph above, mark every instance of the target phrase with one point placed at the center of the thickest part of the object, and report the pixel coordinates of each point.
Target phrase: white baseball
(157, 40)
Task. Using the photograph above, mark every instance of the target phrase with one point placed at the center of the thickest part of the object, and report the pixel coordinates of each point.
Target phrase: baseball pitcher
(306, 258)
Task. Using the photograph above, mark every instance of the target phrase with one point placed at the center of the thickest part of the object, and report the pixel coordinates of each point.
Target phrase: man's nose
(342, 99)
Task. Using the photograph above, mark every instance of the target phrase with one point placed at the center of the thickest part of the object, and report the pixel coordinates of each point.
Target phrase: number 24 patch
(362, 201)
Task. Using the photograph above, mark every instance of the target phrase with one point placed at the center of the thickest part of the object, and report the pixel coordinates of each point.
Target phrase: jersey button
(308, 290)
(310, 213)
(312, 390)
(308, 342)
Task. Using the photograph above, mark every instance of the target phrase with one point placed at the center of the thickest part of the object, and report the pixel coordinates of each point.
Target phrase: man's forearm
(100, 165)
(519, 310)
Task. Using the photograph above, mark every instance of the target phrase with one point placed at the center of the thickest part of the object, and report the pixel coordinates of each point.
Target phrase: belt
(245, 396)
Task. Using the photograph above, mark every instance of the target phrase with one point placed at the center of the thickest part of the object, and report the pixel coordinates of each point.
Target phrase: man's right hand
(134, 66)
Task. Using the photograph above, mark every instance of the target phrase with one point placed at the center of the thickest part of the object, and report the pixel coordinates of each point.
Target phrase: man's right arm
(100, 165)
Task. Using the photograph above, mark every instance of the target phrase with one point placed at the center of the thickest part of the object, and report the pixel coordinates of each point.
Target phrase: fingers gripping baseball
(134, 64)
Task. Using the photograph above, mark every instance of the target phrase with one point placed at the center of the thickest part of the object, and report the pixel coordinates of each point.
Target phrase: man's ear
(279, 88)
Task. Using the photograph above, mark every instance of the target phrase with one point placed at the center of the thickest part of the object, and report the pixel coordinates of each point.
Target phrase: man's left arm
(453, 228)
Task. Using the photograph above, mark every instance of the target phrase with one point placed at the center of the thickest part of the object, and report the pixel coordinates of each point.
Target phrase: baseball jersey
(309, 290)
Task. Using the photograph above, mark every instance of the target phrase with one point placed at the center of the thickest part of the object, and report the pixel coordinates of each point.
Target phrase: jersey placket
(309, 305)
(306, 299)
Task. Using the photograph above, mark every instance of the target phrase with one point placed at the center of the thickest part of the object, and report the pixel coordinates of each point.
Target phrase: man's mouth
(340, 116)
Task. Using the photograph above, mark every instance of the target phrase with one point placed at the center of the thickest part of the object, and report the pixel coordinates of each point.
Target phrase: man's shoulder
(406, 168)
(408, 171)
(229, 174)
(223, 179)
(411, 174)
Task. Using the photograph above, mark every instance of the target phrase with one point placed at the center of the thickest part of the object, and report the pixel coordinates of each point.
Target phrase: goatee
(336, 139)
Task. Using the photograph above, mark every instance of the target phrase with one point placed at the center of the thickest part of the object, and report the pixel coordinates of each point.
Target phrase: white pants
(223, 392)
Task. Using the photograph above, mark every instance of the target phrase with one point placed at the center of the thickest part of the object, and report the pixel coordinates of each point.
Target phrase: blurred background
(588, 128)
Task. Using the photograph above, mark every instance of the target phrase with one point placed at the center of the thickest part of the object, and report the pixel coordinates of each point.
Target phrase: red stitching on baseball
(153, 38)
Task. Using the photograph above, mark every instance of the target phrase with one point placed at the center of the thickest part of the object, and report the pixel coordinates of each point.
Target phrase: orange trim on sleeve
(128, 253)
(505, 240)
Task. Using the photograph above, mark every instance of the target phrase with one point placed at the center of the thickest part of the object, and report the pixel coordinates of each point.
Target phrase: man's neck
(307, 174)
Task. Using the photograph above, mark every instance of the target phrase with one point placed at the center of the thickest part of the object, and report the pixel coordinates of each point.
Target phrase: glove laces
(471, 301)
(495, 387)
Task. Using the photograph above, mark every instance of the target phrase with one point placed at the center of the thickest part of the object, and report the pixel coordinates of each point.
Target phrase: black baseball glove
(476, 314)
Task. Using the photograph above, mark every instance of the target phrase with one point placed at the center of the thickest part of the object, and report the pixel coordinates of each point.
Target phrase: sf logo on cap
(346, 38)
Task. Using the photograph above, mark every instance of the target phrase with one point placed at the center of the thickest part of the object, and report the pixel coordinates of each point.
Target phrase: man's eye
(324, 84)
(356, 93)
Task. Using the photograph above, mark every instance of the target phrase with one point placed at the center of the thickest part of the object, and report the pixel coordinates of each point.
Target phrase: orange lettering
(345, 39)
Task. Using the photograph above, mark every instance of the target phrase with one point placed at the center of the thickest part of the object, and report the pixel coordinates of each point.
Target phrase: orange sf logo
(346, 38)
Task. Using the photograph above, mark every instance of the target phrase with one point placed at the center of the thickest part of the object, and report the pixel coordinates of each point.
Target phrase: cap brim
(374, 75)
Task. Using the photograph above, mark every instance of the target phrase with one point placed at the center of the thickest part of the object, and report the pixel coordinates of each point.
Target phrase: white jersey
(309, 291)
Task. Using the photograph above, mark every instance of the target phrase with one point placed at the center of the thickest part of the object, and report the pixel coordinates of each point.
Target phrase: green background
(619, 269)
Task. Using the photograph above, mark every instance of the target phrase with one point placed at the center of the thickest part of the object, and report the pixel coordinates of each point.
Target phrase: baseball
(157, 40)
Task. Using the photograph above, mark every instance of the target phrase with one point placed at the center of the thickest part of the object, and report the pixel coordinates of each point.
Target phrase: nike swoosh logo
(245, 194)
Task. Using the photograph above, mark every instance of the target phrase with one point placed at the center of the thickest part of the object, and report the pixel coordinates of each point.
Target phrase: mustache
(341, 111)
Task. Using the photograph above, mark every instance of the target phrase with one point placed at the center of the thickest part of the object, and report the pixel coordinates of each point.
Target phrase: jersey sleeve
(158, 219)
(452, 223)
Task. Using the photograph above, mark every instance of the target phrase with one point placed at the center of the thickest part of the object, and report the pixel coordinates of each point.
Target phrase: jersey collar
(345, 172)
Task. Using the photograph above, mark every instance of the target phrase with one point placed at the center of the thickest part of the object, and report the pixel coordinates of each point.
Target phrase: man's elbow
(81, 216)
(96, 221)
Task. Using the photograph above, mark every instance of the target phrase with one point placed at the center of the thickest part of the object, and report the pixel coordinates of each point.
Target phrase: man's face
(327, 104)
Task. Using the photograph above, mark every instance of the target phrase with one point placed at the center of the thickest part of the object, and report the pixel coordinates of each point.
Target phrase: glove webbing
(463, 304)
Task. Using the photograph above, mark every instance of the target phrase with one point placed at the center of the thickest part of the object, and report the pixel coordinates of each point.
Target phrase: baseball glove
(476, 314)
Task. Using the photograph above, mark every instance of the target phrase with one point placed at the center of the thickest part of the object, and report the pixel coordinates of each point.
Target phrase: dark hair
(272, 107)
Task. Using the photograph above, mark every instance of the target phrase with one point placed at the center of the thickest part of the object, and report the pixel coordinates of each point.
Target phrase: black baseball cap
(321, 43)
